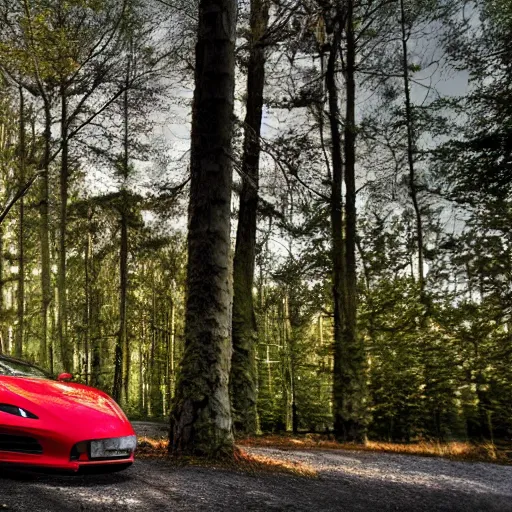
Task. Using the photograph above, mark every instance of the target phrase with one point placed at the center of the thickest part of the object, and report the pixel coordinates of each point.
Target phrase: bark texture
(18, 352)
(338, 267)
(411, 149)
(201, 416)
(245, 331)
(45, 351)
(66, 353)
(350, 421)
(122, 353)
(349, 391)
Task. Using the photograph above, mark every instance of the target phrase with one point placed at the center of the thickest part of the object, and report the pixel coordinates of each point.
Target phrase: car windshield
(20, 369)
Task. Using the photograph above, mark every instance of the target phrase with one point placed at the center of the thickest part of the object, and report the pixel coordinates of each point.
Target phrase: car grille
(19, 444)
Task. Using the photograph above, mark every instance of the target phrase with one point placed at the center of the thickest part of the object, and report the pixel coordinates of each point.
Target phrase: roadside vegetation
(151, 448)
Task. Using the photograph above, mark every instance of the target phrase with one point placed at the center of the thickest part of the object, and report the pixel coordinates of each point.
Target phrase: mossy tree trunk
(201, 415)
(245, 333)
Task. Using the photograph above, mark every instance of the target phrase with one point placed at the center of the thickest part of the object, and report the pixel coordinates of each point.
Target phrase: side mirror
(65, 377)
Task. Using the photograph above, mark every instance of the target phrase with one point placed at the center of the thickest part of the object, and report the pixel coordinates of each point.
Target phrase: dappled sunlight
(149, 448)
(427, 473)
(260, 463)
(92, 497)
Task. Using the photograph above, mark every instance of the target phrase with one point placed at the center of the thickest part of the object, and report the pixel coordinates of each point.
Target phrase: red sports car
(59, 424)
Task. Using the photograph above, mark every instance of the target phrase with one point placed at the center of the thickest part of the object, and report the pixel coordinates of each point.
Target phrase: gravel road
(348, 481)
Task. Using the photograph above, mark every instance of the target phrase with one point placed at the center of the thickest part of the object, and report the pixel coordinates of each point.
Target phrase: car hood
(69, 403)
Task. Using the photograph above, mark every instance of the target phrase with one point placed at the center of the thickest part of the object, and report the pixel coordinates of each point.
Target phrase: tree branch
(19, 194)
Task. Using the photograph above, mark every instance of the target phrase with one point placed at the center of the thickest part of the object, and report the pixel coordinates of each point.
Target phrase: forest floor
(344, 481)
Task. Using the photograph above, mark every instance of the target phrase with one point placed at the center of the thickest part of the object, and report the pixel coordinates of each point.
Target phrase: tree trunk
(18, 351)
(288, 380)
(411, 148)
(201, 416)
(349, 360)
(87, 308)
(121, 379)
(172, 362)
(245, 335)
(353, 421)
(44, 235)
(122, 353)
(337, 230)
(141, 402)
(62, 316)
(155, 381)
(167, 364)
(123, 324)
(94, 312)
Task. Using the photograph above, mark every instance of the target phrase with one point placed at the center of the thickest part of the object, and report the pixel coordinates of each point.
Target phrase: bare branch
(18, 195)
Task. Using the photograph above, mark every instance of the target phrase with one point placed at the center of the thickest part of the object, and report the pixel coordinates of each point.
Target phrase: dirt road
(348, 481)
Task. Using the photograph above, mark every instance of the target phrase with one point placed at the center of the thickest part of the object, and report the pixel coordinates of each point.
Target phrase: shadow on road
(360, 484)
(59, 479)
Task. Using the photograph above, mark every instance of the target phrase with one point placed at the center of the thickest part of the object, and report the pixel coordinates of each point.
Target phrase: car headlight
(17, 411)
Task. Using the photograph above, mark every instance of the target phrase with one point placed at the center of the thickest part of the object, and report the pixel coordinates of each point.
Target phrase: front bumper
(56, 452)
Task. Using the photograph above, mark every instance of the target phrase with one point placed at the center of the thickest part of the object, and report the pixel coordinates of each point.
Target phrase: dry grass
(484, 452)
(258, 463)
(242, 461)
(151, 448)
